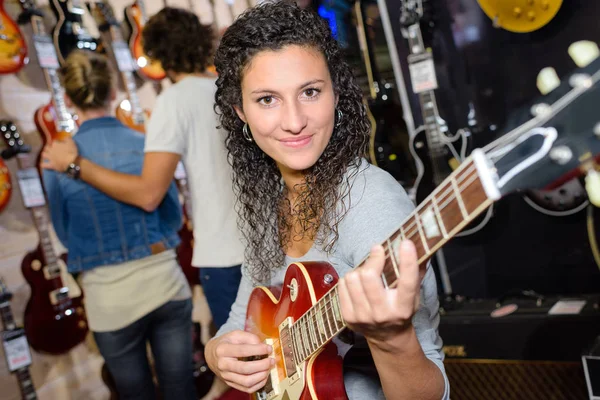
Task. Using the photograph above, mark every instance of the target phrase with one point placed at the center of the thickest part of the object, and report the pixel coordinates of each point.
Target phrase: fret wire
(420, 230)
(305, 334)
(300, 343)
(459, 199)
(439, 217)
(294, 343)
(311, 327)
(327, 309)
(393, 256)
(320, 322)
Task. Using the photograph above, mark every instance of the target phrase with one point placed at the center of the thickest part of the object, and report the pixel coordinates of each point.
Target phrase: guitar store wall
(75, 375)
(487, 80)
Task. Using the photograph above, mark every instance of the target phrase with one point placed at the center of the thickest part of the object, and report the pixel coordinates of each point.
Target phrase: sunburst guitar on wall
(54, 320)
(135, 18)
(5, 185)
(13, 49)
(130, 111)
(300, 319)
(53, 121)
(520, 16)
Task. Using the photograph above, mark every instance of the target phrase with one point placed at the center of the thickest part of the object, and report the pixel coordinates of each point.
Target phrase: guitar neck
(456, 202)
(42, 224)
(25, 383)
(119, 44)
(63, 120)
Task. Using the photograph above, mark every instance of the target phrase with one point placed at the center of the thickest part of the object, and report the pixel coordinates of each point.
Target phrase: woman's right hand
(225, 354)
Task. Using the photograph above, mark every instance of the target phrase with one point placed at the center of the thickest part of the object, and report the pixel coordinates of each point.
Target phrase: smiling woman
(296, 135)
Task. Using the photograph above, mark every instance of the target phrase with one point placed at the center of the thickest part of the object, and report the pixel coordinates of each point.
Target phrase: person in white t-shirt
(183, 127)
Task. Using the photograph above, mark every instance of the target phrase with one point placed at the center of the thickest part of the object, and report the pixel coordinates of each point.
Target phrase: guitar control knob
(517, 12)
(531, 15)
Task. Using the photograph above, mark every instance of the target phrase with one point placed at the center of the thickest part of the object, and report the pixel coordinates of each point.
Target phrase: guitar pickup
(59, 295)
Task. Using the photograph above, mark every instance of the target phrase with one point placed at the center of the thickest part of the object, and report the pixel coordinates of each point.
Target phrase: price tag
(45, 52)
(31, 187)
(422, 73)
(180, 171)
(123, 55)
(16, 349)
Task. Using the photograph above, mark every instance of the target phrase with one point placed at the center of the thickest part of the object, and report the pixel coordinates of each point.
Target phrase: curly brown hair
(177, 39)
(262, 202)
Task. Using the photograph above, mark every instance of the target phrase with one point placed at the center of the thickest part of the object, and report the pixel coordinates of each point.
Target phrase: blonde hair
(87, 79)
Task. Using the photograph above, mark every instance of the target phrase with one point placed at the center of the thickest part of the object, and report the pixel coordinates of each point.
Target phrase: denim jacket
(96, 229)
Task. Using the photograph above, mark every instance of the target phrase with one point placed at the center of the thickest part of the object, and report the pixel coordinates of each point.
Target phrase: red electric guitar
(13, 50)
(129, 112)
(135, 16)
(547, 150)
(55, 322)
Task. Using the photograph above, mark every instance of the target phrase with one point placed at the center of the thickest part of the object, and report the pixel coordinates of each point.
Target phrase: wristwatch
(73, 170)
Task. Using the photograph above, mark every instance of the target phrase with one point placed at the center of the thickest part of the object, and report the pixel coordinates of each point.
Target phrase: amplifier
(519, 348)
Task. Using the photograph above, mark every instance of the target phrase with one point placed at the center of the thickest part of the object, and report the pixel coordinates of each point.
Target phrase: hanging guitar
(16, 348)
(69, 33)
(436, 153)
(53, 121)
(300, 323)
(136, 18)
(129, 112)
(54, 318)
(13, 49)
(5, 185)
(387, 126)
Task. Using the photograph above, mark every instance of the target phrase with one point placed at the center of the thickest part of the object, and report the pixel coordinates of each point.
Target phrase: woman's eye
(267, 100)
(311, 92)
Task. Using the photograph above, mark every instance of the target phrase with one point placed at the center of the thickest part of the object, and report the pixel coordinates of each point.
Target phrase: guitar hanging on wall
(300, 321)
(5, 186)
(53, 121)
(436, 153)
(13, 49)
(16, 348)
(136, 17)
(387, 124)
(129, 112)
(54, 318)
(69, 33)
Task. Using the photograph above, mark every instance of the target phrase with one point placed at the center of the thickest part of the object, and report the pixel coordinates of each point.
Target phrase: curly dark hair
(177, 39)
(266, 216)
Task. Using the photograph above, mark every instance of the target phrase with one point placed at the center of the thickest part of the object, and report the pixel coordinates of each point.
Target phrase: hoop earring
(246, 134)
(340, 115)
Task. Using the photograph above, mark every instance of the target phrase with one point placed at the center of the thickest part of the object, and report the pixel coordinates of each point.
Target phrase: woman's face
(289, 104)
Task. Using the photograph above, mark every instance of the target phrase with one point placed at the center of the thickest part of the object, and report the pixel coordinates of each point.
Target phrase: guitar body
(44, 119)
(148, 69)
(321, 376)
(13, 49)
(124, 114)
(567, 199)
(5, 185)
(520, 16)
(435, 167)
(69, 33)
(52, 329)
(185, 252)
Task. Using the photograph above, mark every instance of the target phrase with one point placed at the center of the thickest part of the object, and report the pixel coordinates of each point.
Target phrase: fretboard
(127, 76)
(456, 202)
(8, 319)
(63, 119)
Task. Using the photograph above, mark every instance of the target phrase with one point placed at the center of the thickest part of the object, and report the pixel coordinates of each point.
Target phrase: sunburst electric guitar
(301, 319)
(13, 50)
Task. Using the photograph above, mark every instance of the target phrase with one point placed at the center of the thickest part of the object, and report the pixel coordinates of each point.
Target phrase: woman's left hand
(369, 308)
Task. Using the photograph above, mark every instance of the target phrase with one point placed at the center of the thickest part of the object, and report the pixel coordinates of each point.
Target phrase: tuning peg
(547, 80)
(583, 52)
(592, 186)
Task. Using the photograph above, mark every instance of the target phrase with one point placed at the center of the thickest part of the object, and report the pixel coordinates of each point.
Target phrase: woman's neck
(294, 180)
(86, 115)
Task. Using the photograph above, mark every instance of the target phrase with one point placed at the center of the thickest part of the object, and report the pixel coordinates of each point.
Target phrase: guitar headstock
(103, 14)
(5, 295)
(12, 138)
(30, 9)
(560, 142)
